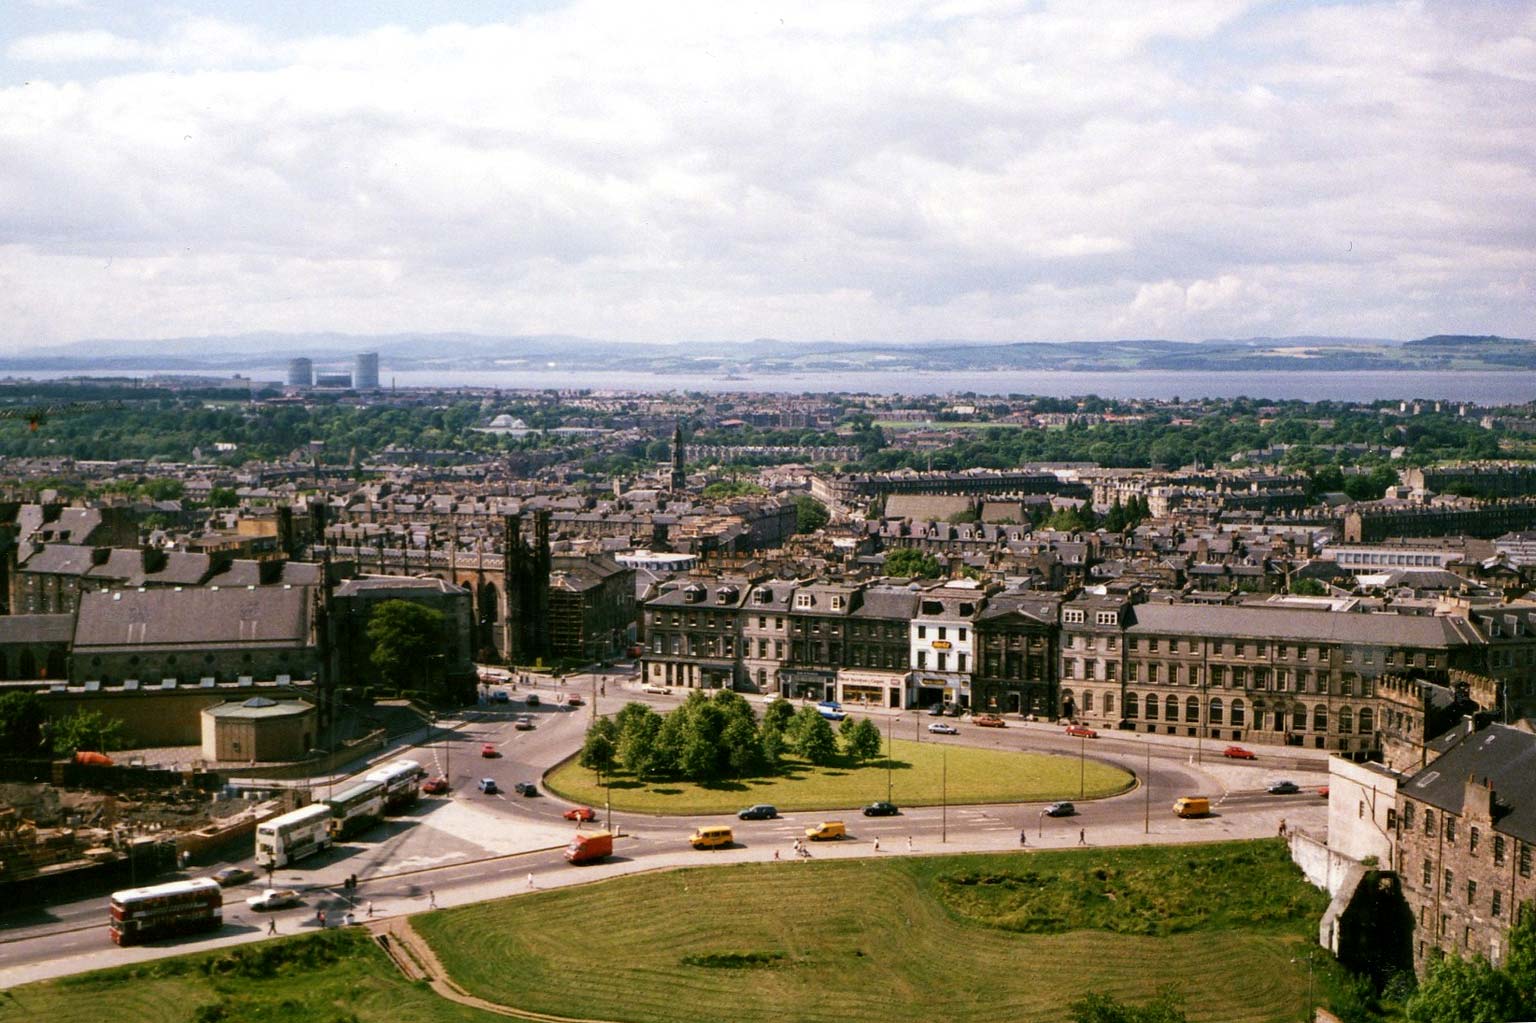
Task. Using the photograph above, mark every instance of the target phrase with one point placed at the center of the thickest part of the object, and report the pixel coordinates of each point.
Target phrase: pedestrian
(370, 909)
(877, 843)
(272, 925)
(775, 856)
(1282, 827)
(320, 915)
(1082, 836)
(431, 898)
(909, 843)
(1023, 836)
(530, 879)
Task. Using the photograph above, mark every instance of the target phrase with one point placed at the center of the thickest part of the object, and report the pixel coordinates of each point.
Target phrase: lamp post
(1146, 784)
(1082, 766)
(888, 753)
(944, 794)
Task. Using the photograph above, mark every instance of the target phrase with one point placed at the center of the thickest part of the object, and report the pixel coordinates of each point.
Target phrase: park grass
(899, 939)
(921, 775)
(336, 977)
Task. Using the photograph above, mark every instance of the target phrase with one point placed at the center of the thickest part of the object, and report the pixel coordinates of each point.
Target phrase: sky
(838, 170)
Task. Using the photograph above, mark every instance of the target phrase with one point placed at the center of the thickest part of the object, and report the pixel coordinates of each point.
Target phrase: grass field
(340, 977)
(904, 939)
(921, 772)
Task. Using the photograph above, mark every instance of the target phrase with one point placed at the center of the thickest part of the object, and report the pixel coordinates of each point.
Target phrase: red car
(581, 813)
(574, 701)
(489, 751)
(1322, 790)
(990, 721)
(1082, 731)
(435, 787)
(1239, 753)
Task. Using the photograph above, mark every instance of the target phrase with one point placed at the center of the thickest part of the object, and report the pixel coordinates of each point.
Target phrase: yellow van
(1192, 806)
(825, 830)
(716, 836)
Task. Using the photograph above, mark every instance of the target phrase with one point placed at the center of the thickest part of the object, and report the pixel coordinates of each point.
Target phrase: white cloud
(867, 170)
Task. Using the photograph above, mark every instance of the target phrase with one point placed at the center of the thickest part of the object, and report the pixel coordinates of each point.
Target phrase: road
(468, 845)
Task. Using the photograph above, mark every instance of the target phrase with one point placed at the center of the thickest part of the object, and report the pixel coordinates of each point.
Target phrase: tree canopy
(405, 636)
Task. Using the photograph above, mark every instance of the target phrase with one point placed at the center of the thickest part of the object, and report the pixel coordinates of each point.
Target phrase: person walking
(1082, 836)
(909, 843)
(530, 879)
(1282, 827)
(431, 898)
(320, 916)
(1023, 836)
(272, 925)
(877, 843)
(370, 909)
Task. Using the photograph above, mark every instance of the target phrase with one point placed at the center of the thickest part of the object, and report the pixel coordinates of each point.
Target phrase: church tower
(679, 476)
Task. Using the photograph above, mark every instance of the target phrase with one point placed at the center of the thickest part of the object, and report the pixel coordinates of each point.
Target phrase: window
(1367, 721)
(1191, 709)
(1299, 718)
(1320, 718)
(922, 632)
(1072, 616)
(1429, 873)
(1471, 892)
(943, 661)
(1525, 860)
(1237, 712)
(1109, 704)
(1171, 708)
(1429, 823)
(1216, 710)
(1151, 707)
(1450, 829)
(1218, 675)
(1152, 673)
(1105, 618)
(1088, 700)
(1498, 850)
(1152, 644)
(1346, 720)
(942, 632)
(1448, 883)
(1132, 705)
(922, 659)
(1496, 904)
(1408, 823)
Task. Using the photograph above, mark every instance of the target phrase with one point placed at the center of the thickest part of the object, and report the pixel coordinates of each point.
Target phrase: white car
(273, 898)
(943, 728)
(772, 697)
(652, 687)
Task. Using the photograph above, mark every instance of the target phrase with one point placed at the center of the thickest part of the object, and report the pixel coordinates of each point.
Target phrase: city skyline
(857, 173)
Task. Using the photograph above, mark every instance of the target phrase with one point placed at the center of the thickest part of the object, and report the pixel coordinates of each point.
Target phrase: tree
(1101, 1008)
(862, 741)
(405, 637)
(743, 747)
(21, 723)
(777, 716)
(912, 563)
(599, 753)
(813, 737)
(223, 497)
(87, 730)
(1457, 990)
(1308, 588)
(810, 514)
(639, 740)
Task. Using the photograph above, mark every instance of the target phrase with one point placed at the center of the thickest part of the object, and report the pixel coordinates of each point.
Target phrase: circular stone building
(258, 729)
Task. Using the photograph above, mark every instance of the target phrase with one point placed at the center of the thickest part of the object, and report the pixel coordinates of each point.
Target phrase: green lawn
(902, 939)
(340, 977)
(921, 773)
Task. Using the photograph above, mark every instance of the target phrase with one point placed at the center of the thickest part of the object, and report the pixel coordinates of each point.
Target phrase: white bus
(293, 836)
(356, 808)
(402, 783)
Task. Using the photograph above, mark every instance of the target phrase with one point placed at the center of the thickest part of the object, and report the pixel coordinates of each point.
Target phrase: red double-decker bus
(180, 907)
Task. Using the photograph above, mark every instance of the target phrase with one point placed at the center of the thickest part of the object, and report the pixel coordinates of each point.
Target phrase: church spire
(679, 475)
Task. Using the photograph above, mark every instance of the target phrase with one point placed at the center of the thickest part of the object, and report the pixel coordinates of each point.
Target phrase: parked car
(881, 809)
(936, 711)
(830, 714)
(652, 687)
(488, 786)
(526, 788)
(231, 876)
(830, 705)
(759, 812)
(1283, 788)
(524, 723)
(943, 728)
(574, 701)
(501, 696)
(489, 751)
(531, 700)
(954, 710)
(1060, 810)
(1239, 753)
(273, 898)
(1322, 790)
(990, 721)
(1082, 731)
(581, 813)
(435, 787)
(772, 697)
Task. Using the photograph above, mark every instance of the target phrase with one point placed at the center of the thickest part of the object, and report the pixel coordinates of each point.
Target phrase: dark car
(1283, 788)
(231, 876)
(759, 812)
(526, 788)
(488, 786)
(1060, 810)
(881, 809)
(936, 711)
(531, 700)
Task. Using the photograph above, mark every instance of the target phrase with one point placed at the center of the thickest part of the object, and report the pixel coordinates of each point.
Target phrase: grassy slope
(973, 776)
(355, 982)
(903, 939)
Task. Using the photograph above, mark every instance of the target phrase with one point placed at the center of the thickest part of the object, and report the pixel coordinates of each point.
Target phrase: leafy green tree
(164, 489)
(814, 738)
(810, 514)
(1308, 588)
(1472, 990)
(743, 748)
(639, 740)
(862, 742)
(777, 716)
(21, 723)
(405, 637)
(223, 497)
(1101, 1008)
(912, 563)
(599, 753)
(88, 730)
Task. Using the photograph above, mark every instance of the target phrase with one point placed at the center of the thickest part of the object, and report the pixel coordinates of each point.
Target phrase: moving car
(714, 836)
(435, 787)
(830, 705)
(943, 728)
(273, 898)
(531, 700)
(936, 711)
(231, 876)
(831, 715)
(1283, 788)
(488, 786)
(826, 830)
(990, 721)
(501, 696)
(1082, 731)
(1192, 806)
(580, 813)
(881, 809)
(1239, 753)
(1060, 810)
(652, 687)
(524, 723)
(574, 701)
(759, 812)
(489, 751)
(1322, 790)
(772, 697)
(526, 788)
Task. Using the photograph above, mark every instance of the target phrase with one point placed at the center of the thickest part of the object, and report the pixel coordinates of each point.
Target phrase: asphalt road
(470, 845)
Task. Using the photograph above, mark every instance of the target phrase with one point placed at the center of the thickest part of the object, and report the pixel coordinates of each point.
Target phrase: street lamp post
(944, 794)
(1146, 784)
(888, 754)
(1082, 766)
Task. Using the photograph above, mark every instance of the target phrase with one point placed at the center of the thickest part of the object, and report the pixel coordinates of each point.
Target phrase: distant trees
(810, 514)
(88, 730)
(21, 723)
(912, 563)
(405, 637)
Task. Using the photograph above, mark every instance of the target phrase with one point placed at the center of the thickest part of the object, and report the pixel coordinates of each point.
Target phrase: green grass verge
(921, 772)
(336, 977)
(906, 938)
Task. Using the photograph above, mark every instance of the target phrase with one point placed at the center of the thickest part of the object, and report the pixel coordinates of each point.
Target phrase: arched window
(1215, 710)
(1320, 718)
(1237, 712)
(1191, 709)
(1367, 721)
(1346, 720)
(1151, 706)
(1171, 708)
(1132, 705)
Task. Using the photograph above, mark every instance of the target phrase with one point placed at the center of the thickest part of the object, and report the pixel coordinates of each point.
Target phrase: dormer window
(1072, 617)
(803, 600)
(1105, 618)
(836, 602)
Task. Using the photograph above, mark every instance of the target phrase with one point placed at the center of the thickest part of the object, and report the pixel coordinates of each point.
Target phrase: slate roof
(1506, 757)
(264, 616)
(36, 628)
(1312, 626)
